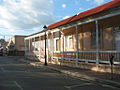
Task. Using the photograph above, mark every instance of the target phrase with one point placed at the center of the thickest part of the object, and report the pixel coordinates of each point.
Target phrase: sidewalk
(81, 73)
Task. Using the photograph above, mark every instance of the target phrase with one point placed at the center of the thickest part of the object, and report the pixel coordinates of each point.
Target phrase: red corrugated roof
(98, 9)
(61, 22)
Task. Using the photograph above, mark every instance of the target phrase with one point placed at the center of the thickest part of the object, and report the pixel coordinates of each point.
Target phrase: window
(116, 34)
(93, 37)
(69, 41)
(62, 43)
(56, 44)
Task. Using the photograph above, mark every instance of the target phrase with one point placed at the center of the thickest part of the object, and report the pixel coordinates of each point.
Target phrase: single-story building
(16, 45)
(85, 40)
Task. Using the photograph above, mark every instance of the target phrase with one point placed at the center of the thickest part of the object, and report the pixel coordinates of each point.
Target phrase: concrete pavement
(97, 77)
(17, 75)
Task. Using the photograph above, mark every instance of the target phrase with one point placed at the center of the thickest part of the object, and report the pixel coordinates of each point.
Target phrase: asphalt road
(16, 75)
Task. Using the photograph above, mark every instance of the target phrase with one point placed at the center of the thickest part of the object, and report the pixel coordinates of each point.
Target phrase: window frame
(56, 44)
(99, 35)
(115, 30)
(68, 41)
(93, 39)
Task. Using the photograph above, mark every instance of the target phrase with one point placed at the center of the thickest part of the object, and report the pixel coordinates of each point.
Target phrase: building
(16, 45)
(86, 40)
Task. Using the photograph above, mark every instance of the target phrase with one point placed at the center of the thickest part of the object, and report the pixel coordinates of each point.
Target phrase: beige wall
(18, 41)
(19, 45)
(84, 35)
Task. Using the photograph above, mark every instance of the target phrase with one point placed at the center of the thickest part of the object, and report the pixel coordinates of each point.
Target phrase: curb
(78, 75)
(93, 79)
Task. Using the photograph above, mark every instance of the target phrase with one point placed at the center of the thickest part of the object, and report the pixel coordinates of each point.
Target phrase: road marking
(74, 86)
(18, 85)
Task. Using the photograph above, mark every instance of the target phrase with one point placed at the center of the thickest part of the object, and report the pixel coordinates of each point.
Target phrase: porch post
(29, 47)
(77, 45)
(34, 46)
(25, 47)
(63, 45)
(47, 47)
(34, 43)
(52, 46)
(39, 48)
(97, 42)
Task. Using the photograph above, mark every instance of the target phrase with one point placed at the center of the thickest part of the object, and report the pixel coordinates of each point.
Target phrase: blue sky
(73, 7)
(24, 17)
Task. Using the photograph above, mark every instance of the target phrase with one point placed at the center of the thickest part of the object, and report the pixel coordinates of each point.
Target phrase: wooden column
(97, 42)
(63, 47)
(29, 48)
(52, 45)
(77, 45)
(39, 48)
(34, 43)
(47, 47)
(25, 47)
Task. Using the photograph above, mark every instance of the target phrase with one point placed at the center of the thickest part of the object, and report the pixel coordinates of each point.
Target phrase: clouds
(66, 17)
(98, 2)
(24, 14)
(63, 5)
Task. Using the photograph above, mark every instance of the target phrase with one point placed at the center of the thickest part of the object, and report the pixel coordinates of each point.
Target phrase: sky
(25, 17)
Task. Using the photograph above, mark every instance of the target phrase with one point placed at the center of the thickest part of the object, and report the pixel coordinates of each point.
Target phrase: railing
(104, 56)
(86, 56)
(89, 56)
(57, 54)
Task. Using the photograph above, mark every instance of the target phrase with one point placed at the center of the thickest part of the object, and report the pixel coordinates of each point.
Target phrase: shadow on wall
(34, 55)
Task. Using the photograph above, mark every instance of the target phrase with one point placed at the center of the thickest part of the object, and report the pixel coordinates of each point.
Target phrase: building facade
(85, 40)
(16, 45)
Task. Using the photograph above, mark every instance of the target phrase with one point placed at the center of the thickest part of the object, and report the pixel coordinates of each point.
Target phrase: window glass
(69, 41)
(117, 38)
(57, 44)
(93, 37)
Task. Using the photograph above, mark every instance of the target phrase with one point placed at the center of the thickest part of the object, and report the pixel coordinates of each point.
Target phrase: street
(16, 75)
